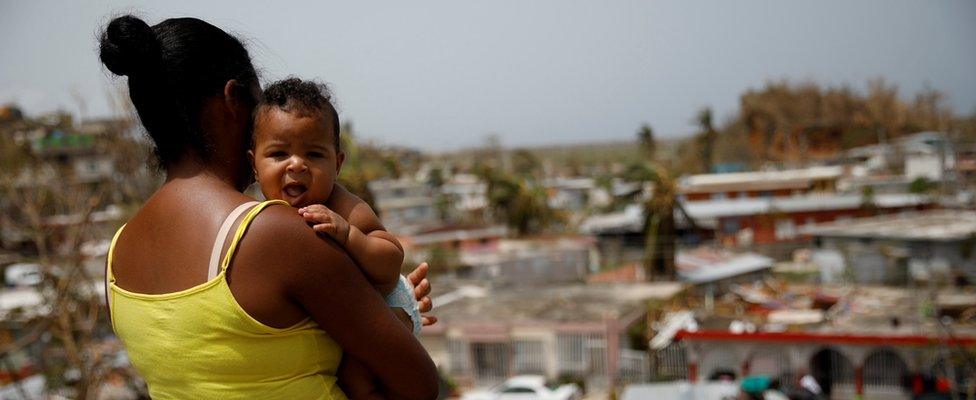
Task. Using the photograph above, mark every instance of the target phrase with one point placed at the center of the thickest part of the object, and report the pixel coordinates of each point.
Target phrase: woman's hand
(421, 291)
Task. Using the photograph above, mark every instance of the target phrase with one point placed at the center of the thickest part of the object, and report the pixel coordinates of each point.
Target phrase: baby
(297, 157)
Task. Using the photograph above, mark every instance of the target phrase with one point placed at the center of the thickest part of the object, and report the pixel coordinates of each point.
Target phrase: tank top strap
(109, 276)
(221, 238)
(242, 228)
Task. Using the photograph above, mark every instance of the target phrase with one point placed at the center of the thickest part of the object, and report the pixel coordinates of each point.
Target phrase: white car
(526, 387)
(23, 274)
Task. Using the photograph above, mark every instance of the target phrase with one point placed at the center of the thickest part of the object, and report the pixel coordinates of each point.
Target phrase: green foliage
(435, 178)
(706, 139)
(38, 180)
(525, 163)
(640, 172)
(392, 166)
(575, 159)
(659, 226)
(443, 204)
(868, 194)
(637, 333)
(572, 377)
(868, 204)
(922, 185)
(645, 138)
(363, 164)
(443, 259)
(786, 121)
(519, 201)
(858, 136)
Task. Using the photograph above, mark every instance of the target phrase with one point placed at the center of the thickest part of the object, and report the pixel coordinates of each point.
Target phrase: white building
(404, 205)
(486, 335)
(896, 249)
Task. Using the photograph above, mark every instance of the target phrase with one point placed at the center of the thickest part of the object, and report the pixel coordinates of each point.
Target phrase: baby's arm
(352, 223)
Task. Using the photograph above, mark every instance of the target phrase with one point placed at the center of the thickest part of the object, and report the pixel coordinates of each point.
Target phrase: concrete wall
(895, 262)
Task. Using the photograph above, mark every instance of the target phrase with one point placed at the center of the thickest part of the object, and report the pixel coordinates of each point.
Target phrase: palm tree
(660, 230)
(645, 137)
(443, 202)
(519, 201)
(706, 138)
(435, 178)
(526, 164)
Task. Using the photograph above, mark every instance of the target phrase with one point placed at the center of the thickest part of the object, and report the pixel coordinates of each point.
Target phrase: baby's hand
(327, 221)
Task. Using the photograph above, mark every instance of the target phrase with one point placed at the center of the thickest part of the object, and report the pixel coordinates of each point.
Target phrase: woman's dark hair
(303, 97)
(173, 67)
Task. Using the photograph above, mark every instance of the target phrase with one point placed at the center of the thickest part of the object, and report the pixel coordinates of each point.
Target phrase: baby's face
(294, 158)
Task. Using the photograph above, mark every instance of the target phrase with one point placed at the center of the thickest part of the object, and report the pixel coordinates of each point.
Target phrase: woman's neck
(195, 171)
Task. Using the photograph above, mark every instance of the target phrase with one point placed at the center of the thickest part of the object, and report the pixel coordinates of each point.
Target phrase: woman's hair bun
(129, 46)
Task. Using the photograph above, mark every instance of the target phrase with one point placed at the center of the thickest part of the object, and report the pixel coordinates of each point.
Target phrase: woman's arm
(340, 299)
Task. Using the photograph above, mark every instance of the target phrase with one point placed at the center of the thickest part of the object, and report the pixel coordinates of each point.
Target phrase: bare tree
(64, 194)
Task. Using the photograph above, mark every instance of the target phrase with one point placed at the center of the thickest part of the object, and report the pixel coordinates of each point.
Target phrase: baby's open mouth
(294, 189)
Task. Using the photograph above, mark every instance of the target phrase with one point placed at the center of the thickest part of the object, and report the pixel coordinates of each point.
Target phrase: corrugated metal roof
(934, 225)
(709, 209)
(706, 212)
(628, 221)
(696, 267)
(756, 179)
(551, 303)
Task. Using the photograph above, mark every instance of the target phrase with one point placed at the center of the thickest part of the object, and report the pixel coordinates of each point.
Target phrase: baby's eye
(316, 154)
(278, 154)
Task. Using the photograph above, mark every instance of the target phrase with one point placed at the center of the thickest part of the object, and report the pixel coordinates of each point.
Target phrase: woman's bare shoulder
(284, 239)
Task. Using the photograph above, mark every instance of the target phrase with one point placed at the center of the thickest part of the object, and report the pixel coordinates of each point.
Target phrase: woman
(267, 316)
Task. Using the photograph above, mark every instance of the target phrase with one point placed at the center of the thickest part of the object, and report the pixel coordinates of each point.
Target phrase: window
(529, 357)
(457, 356)
(491, 362)
(730, 226)
(580, 353)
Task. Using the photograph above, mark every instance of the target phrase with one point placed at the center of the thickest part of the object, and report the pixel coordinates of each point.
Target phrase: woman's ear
(233, 92)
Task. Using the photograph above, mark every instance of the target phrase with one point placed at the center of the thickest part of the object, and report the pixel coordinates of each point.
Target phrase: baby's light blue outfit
(402, 297)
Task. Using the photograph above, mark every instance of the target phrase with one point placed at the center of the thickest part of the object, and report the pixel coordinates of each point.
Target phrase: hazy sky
(443, 74)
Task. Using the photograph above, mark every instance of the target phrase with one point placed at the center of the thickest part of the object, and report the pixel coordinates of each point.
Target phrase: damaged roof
(554, 304)
(932, 225)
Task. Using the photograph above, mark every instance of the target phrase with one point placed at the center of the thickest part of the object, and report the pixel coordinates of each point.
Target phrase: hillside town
(834, 267)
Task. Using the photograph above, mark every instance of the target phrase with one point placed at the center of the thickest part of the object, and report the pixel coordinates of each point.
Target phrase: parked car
(22, 274)
(527, 387)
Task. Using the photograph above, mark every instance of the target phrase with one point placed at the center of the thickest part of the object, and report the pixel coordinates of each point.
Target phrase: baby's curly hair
(307, 98)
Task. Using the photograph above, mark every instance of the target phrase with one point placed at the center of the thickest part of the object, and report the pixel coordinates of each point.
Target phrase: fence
(671, 362)
(580, 356)
(634, 366)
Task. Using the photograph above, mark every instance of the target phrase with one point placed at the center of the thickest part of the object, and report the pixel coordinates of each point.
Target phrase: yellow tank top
(199, 343)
